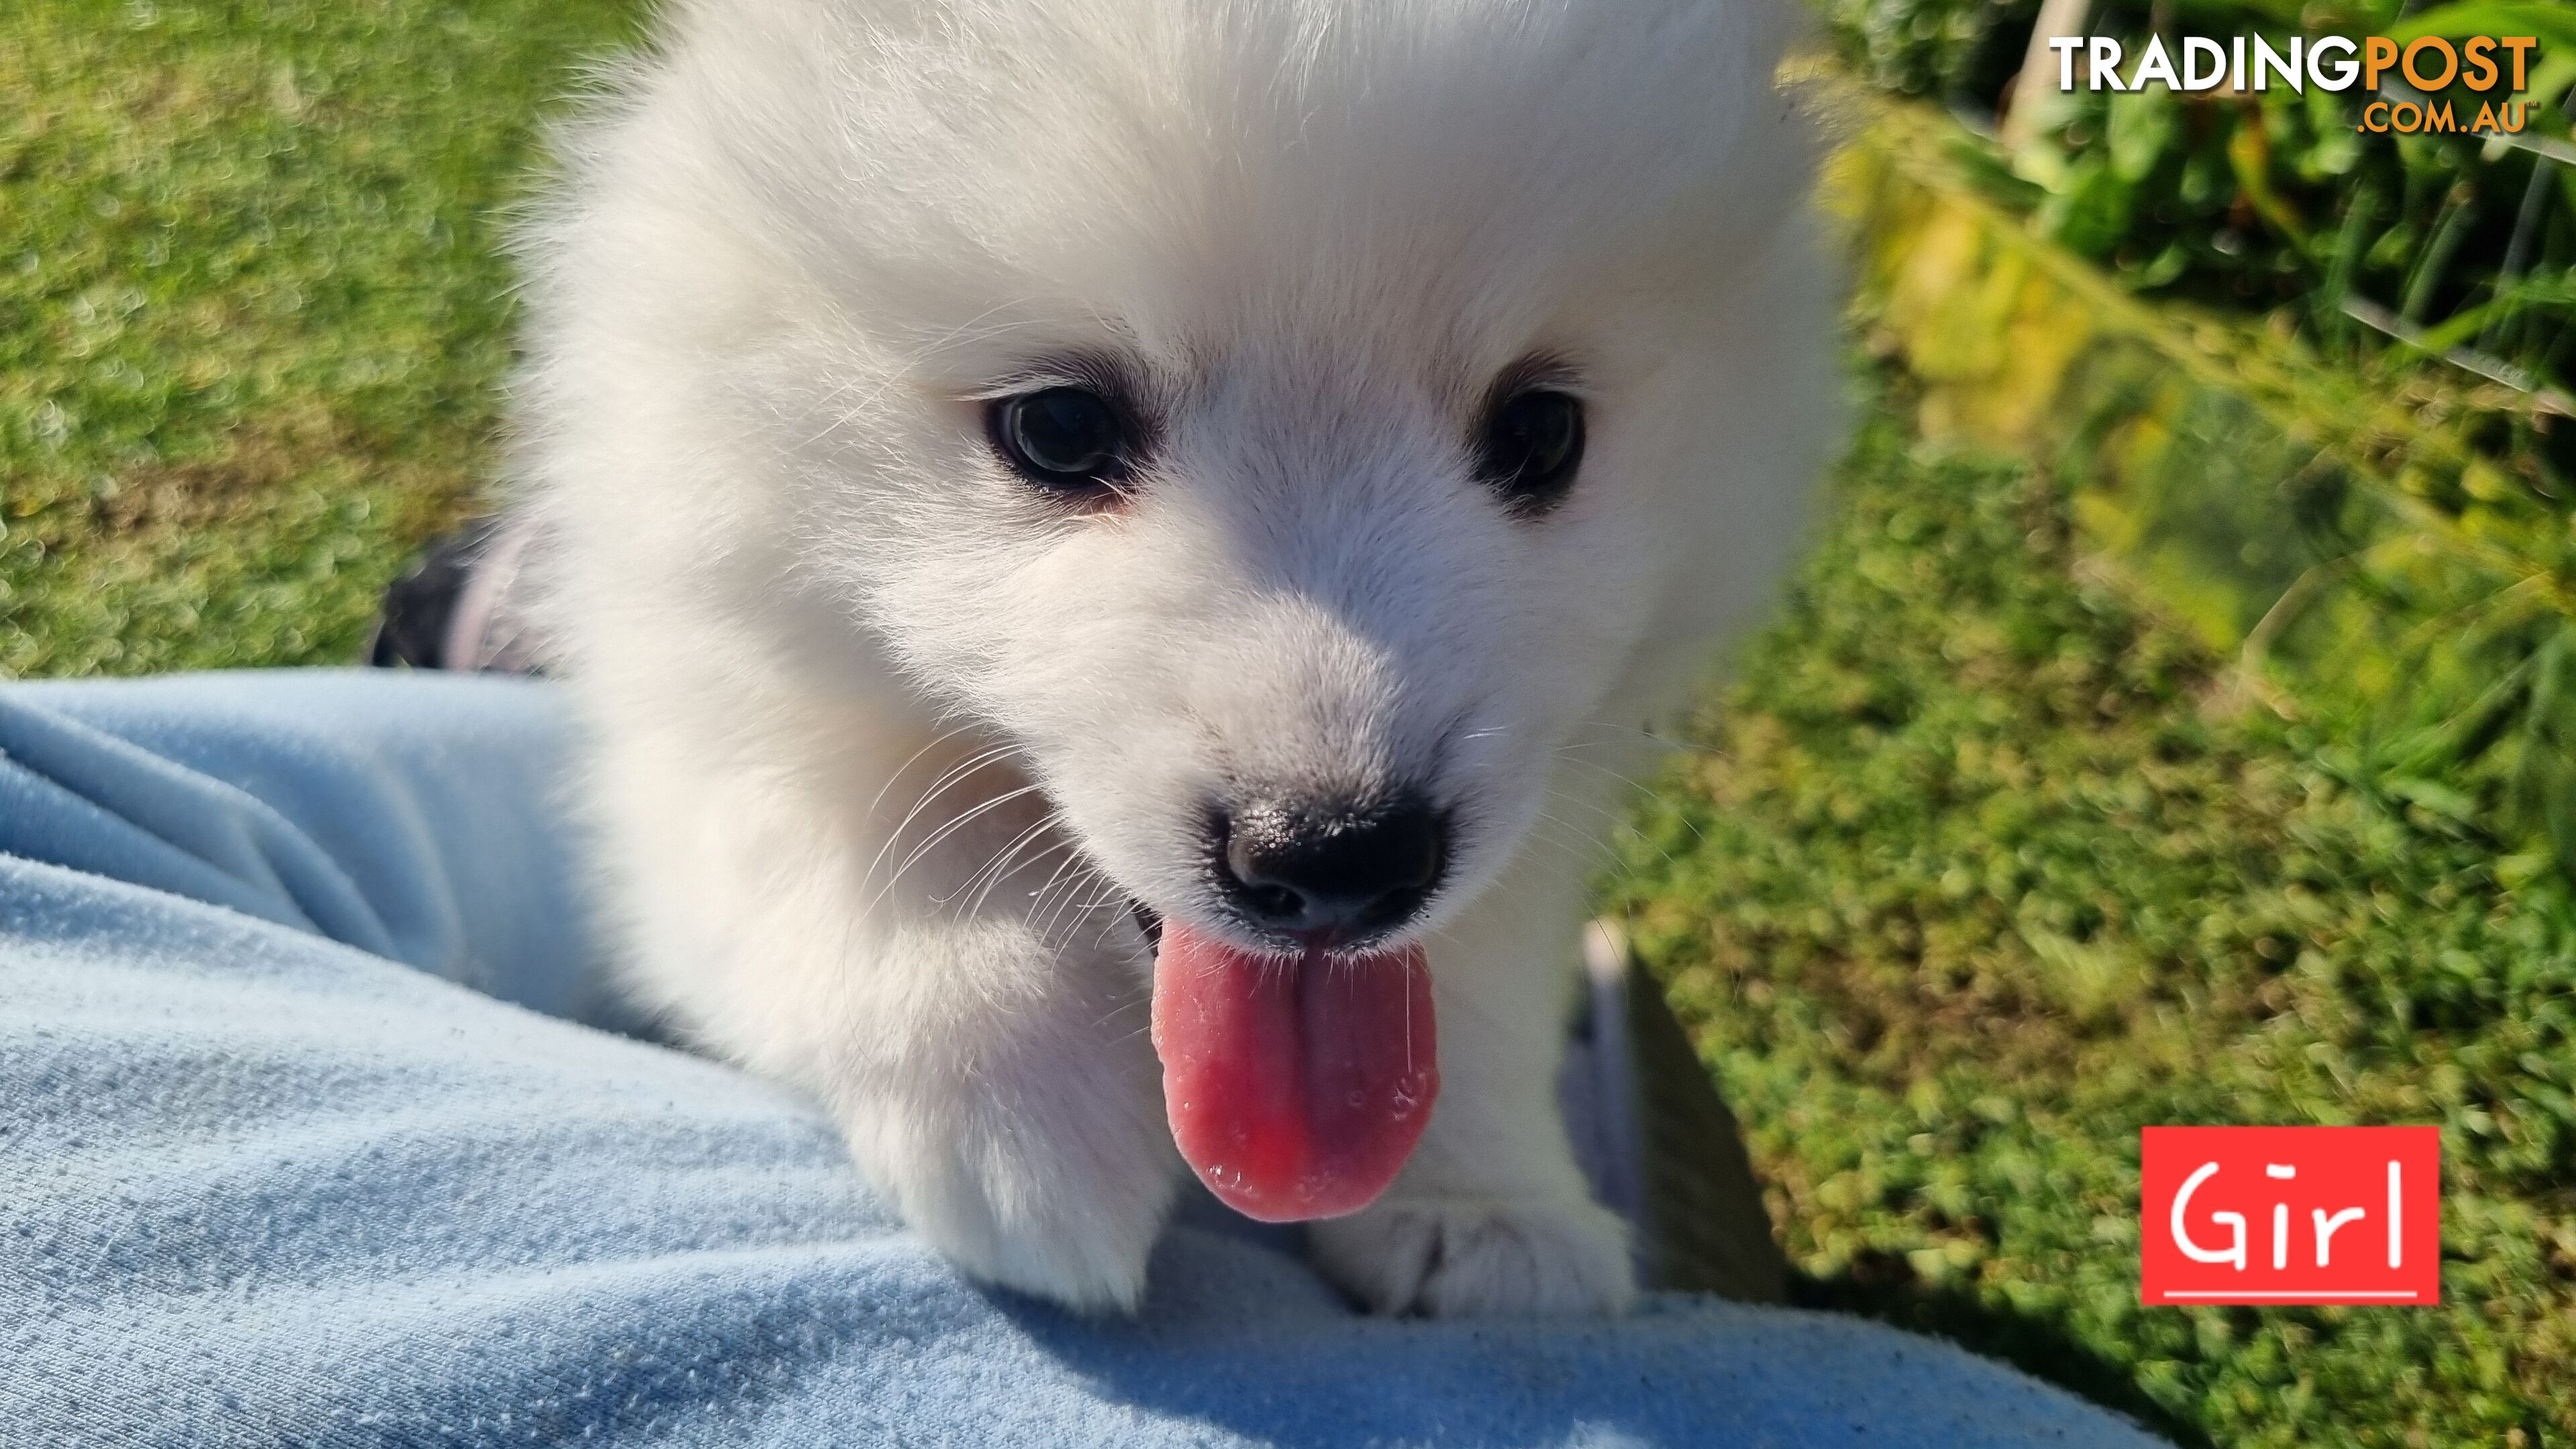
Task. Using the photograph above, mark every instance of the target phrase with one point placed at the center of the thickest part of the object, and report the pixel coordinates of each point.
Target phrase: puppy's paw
(1070, 1219)
(1460, 1258)
(1016, 1115)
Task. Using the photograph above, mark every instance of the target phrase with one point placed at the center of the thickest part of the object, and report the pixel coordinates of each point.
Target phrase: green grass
(1977, 874)
(251, 311)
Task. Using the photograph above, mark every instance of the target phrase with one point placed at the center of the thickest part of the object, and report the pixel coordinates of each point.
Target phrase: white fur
(885, 741)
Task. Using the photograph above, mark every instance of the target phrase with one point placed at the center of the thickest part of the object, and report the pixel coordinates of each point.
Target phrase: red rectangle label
(2264, 1215)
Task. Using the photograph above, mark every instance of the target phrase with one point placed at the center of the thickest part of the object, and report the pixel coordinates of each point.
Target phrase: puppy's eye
(1532, 443)
(1065, 439)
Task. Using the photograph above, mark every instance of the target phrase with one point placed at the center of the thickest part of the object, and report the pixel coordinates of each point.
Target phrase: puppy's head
(1288, 423)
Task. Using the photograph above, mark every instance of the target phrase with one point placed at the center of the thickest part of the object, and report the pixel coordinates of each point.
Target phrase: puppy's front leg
(934, 966)
(1006, 1100)
(1493, 1215)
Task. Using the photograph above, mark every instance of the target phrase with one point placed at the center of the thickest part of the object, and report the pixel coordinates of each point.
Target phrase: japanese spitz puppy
(1115, 553)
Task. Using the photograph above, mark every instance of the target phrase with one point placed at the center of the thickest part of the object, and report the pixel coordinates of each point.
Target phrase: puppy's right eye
(1532, 443)
(1063, 439)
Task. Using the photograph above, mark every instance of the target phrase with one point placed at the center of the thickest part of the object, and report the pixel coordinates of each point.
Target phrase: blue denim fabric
(300, 1145)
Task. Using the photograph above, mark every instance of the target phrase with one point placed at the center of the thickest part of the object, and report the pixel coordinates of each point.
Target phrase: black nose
(1337, 871)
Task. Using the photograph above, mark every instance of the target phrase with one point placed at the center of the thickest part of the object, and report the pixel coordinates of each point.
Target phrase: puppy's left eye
(1063, 439)
(1531, 444)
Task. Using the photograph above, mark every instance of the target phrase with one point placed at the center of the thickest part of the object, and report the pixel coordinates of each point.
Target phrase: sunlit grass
(1978, 872)
(252, 317)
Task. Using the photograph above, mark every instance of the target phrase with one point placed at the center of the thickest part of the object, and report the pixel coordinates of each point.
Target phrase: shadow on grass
(1883, 1287)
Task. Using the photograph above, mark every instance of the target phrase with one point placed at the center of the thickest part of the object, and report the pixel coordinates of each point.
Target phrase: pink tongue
(1295, 1089)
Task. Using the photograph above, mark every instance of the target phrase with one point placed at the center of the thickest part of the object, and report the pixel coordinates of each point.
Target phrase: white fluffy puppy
(1115, 552)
